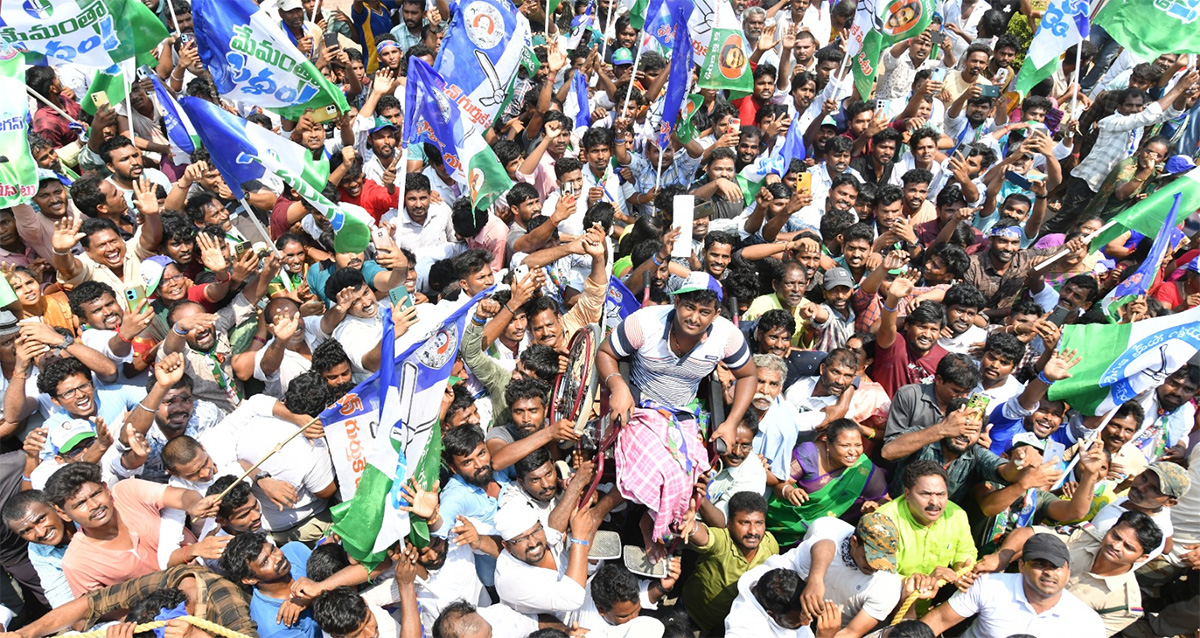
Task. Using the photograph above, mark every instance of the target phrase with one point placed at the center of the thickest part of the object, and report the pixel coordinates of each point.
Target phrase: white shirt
(294, 364)
(1108, 515)
(434, 233)
(962, 343)
(1003, 609)
(845, 584)
(537, 590)
(748, 619)
(507, 623)
(358, 336)
(1001, 393)
(456, 580)
(303, 463)
(811, 408)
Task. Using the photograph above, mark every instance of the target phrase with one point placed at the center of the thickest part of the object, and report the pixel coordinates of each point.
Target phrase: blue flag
(659, 24)
(179, 129)
(581, 25)
(479, 57)
(427, 112)
(1140, 281)
(579, 87)
(253, 61)
(680, 72)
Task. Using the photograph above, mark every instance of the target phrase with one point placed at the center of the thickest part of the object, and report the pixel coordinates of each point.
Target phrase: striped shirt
(657, 373)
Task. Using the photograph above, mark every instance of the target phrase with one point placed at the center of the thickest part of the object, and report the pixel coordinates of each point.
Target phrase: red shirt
(899, 366)
(375, 199)
(54, 127)
(279, 223)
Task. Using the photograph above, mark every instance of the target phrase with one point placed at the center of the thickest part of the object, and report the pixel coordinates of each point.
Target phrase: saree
(788, 523)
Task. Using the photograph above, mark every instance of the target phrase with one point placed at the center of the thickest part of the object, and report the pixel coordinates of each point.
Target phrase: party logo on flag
(899, 16)
(38, 9)
(732, 60)
(485, 25)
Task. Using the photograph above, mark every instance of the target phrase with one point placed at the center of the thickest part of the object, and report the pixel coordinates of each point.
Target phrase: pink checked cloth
(658, 462)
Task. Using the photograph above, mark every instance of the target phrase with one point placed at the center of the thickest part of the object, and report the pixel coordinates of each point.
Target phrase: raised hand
(66, 233)
(488, 308)
(168, 370)
(404, 320)
(285, 325)
(424, 502)
(211, 254)
(1060, 364)
(133, 322)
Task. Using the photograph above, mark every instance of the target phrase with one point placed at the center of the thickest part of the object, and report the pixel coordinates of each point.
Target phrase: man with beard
(1153, 492)
(1032, 601)
(824, 398)
(124, 162)
(45, 155)
(968, 118)
(251, 560)
(717, 253)
(975, 62)
(877, 165)
(469, 500)
(106, 257)
(528, 431)
(31, 516)
(1031, 411)
(420, 222)
(1000, 271)
(716, 488)
(119, 529)
(1169, 415)
(536, 486)
(933, 533)
(109, 328)
(36, 220)
(777, 419)
(1102, 573)
(837, 162)
(843, 192)
(790, 283)
(204, 339)
(772, 334)
(724, 554)
(532, 575)
(950, 442)
(750, 142)
(911, 357)
(720, 186)
(382, 142)
(962, 333)
(289, 351)
(952, 211)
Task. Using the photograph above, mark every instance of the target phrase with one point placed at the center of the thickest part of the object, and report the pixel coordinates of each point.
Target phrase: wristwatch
(66, 342)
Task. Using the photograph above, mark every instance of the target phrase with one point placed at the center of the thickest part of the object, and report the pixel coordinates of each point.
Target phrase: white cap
(515, 520)
(290, 5)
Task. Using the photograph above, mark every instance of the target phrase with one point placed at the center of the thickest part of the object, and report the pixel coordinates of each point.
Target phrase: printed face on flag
(899, 16)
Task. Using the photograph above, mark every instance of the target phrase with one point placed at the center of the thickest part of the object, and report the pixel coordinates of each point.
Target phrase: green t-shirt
(710, 592)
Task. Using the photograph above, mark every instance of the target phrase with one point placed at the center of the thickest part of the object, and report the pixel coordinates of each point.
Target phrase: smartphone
(989, 90)
(937, 37)
(938, 74)
(805, 182)
(184, 38)
(331, 39)
(1018, 180)
(135, 296)
(702, 210)
(1059, 316)
(400, 298)
(381, 238)
(980, 403)
(326, 114)
(241, 248)
(142, 74)
(519, 272)
(568, 188)
(100, 98)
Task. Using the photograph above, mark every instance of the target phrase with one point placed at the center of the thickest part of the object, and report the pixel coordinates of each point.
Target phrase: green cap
(880, 540)
(353, 237)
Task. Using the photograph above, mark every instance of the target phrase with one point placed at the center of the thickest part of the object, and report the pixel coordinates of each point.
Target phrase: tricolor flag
(388, 428)
(878, 24)
(1140, 281)
(18, 175)
(1147, 216)
(1065, 24)
(179, 128)
(242, 151)
(1121, 361)
(92, 33)
(253, 61)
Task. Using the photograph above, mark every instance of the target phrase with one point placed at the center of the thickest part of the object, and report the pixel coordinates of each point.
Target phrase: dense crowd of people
(834, 400)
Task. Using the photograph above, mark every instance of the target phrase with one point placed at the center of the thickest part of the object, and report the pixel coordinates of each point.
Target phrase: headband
(383, 44)
(1010, 232)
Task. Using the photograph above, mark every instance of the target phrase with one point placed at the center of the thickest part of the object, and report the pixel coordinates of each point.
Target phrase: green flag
(110, 82)
(1148, 215)
(637, 12)
(18, 176)
(1148, 28)
(426, 474)
(7, 295)
(486, 177)
(878, 24)
(727, 65)
(685, 130)
(95, 33)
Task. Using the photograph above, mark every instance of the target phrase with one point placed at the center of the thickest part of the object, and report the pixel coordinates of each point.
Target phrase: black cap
(1047, 547)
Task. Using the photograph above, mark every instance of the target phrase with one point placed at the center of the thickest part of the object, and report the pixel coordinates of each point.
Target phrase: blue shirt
(318, 276)
(47, 562)
(112, 401)
(264, 609)
(460, 498)
(1008, 420)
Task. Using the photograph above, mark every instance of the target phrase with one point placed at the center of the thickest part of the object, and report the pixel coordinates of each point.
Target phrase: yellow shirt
(762, 304)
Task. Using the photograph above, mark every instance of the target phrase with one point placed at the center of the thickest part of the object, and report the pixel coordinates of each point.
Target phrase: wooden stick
(277, 448)
(629, 91)
(1087, 238)
(41, 98)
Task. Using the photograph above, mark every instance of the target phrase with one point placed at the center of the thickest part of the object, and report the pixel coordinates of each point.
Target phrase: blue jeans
(1107, 50)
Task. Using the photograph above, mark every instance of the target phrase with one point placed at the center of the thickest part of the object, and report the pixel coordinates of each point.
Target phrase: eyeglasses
(69, 395)
(175, 277)
(525, 537)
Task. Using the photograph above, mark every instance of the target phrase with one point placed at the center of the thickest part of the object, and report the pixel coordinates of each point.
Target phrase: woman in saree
(49, 305)
(828, 477)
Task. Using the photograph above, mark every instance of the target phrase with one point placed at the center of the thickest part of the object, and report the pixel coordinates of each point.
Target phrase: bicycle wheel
(575, 389)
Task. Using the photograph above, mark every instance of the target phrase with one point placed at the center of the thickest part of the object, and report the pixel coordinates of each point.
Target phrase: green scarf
(790, 522)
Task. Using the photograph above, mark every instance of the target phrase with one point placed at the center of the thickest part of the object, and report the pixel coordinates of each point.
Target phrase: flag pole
(658, 173)
(277, 448)
(1075, 82)
(174, 20)
(629, 91)
(41, 98)
(1086, 239)
(608, 25)
(257, 224)
(1084, 446)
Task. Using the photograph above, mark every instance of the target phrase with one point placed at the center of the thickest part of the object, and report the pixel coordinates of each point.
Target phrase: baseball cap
(829, 121)
(380, 124)
(700, 281)
(622, 56)
(1172, 479)
(838, 276)
(152, 272)
(1179, 164)
(68, 434)
(46, 175)
(1047, 547)
(880, 540)
(1030, 439)
(8, 323)
(290, 5)
(515, 520)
